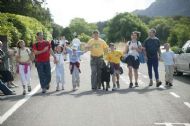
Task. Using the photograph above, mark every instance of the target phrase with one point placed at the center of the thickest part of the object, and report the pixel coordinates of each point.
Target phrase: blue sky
(63, 11)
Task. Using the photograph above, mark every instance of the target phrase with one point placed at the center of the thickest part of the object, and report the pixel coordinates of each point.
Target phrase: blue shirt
(74, 56)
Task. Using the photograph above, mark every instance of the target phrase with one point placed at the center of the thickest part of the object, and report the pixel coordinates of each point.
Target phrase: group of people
(99, 50)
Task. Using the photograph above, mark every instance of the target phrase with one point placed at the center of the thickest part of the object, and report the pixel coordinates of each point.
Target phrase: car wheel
(177, 73)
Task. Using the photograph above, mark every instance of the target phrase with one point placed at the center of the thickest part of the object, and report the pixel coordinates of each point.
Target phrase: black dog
(105, 76)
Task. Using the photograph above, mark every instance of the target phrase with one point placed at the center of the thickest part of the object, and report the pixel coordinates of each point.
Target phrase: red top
(43, 57)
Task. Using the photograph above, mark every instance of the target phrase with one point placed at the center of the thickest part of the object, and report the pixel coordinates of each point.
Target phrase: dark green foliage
(122, 25)
(21, 27)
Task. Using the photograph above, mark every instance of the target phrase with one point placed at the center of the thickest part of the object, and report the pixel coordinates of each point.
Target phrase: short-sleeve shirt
(168, 57)
(152, 46)
(43, 57)
(114, 56)
(97, 47)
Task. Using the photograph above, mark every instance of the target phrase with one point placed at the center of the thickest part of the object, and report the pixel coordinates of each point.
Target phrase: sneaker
(170, 84)
(136, 84)
(29, 89)
(44, 90)
(14, 85)
(118, 85)
(57, 88)
(63, 88)
(24, 92)
(114, 89)
(151, 83)
(130, 85)
(158, 83)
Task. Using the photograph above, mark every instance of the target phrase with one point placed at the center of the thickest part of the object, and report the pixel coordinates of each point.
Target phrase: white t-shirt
(76, 42)
(62, 41)
(59, 58)
(24, 55)
(131, 51)
(168, 57)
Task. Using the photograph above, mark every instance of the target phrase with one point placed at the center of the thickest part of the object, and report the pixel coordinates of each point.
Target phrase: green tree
(31, 8)
(120, 27)
(180, 32)
(162, 26)
(67, 33)
(57, 31)
(79, 25)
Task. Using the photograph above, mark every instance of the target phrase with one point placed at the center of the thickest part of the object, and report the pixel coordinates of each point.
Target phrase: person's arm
(126, 48)
(36, 52)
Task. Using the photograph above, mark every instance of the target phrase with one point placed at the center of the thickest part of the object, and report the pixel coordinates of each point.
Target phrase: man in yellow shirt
(113, 58)
(98, 48)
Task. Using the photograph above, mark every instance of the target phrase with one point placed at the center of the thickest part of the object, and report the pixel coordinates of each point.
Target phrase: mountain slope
(167, 8)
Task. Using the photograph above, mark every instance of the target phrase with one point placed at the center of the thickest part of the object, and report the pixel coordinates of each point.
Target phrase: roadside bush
(21, 27)
(175, 49)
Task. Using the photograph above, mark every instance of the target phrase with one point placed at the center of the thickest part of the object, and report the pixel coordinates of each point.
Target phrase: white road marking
(172, 124)
(20, 103)
(174, 94)
(187, 104)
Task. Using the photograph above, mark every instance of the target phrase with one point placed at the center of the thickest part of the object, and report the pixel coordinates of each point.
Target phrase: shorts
(115, 68)
(131, 61)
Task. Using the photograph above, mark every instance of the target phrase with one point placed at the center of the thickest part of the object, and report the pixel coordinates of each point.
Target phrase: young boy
(113, 58)
(169, 60)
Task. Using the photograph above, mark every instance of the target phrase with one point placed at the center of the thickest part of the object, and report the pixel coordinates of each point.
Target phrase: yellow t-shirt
(97, 47)
(114, 56)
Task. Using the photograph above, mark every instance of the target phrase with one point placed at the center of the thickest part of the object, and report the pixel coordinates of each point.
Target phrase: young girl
(59, 67)
(113, 58)
(24, 65)
(74, 57)
(169, 60)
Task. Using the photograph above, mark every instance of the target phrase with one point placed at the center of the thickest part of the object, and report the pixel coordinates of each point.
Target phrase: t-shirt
(168, 57)
(43, 57)
(59, 58)
(97, 47)
(131, 45)
(24, 54)
(114, 56)
(74, 56)
(152, 46)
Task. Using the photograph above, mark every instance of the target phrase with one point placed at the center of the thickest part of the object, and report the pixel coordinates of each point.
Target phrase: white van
(183, 60)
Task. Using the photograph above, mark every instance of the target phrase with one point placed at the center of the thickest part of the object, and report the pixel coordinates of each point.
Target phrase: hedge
(21, 27)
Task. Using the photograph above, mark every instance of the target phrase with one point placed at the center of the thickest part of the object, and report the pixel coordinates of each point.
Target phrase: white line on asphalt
(172, 124)
(20, 103)
(187, 104)
(174, 94)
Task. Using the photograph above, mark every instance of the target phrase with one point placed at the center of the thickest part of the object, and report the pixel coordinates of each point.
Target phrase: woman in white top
(24, 65)
(132, 50)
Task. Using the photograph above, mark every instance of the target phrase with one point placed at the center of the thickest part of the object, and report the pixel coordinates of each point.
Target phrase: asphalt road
(142, 106)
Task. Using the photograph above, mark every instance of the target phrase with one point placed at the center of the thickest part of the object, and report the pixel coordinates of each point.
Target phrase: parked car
(183, 60)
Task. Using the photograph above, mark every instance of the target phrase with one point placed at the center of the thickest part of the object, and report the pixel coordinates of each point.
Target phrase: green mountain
(166, 8)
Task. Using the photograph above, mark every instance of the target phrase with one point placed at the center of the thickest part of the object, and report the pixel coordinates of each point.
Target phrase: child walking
(59, 67)
(169, 60)
(113, 58)
(74, 57)
(24, 65)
